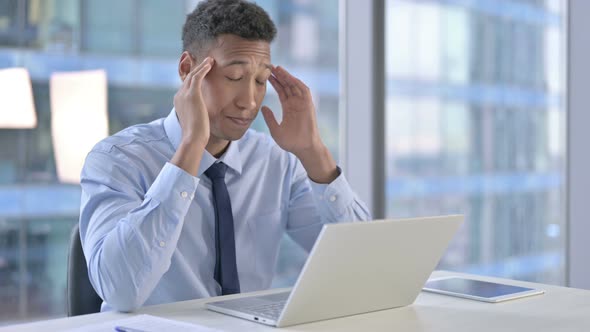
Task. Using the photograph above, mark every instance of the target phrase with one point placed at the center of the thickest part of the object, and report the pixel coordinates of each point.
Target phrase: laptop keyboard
(270, 310)
(268, 306)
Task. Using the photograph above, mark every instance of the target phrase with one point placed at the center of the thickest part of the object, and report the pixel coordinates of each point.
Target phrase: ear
(185, 65)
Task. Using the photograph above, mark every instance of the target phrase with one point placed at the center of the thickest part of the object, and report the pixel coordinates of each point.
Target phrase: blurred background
(475, 122)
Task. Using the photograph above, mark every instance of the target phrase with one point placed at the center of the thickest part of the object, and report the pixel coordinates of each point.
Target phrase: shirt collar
(231, 157)
(172, 128)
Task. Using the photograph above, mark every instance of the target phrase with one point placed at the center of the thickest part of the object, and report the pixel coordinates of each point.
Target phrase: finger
(208, 61)
(293, 89)
(187, 79)
(279, 88)
(271, 121)
(302, 86)
(198, 76)
(280, 78)
(289, 81)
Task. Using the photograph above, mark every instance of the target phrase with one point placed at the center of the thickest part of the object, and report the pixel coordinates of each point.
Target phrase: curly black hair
(212, 18)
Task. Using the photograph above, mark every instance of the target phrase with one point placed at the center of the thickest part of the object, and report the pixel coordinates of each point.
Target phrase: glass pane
(10, 286)
(47, 253)
(33, 256)
(157, 29)
(109, 31)
(307, 46)
(41, 24)
(9, 23)
(475, 124)
(138, 45)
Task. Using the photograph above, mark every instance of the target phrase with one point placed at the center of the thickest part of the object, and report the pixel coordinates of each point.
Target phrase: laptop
(354, 268)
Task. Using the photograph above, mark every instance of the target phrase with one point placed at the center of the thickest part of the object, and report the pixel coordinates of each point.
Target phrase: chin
(234, 135)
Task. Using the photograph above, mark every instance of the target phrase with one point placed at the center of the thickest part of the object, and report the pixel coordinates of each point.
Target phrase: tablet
(478, 290)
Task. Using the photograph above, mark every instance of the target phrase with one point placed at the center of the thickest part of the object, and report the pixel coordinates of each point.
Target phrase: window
(475, 124)
(138, 45)
(307, 46)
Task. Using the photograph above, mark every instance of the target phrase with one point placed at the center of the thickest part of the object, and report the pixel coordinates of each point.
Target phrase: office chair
(81, 297)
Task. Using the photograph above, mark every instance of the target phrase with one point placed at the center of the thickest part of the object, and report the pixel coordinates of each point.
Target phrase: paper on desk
(147, 323)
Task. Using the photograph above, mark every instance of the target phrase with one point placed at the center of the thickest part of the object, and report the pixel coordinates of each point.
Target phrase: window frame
(362, 91)
(578, 159)
(362, 111)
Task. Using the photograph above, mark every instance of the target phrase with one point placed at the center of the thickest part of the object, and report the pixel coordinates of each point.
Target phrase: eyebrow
(242, 62)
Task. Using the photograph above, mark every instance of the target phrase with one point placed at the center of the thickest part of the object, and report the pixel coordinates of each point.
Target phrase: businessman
(195, 204)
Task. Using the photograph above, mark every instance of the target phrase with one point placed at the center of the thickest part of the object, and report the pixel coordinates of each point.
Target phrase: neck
(216, 146)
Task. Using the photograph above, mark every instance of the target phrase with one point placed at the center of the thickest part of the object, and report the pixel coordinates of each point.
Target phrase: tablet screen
(474, 287)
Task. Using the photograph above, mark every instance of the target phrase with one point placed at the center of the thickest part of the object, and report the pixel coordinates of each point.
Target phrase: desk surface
(559, 309)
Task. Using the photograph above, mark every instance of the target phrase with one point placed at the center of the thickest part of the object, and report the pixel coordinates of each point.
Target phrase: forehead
(231, 47)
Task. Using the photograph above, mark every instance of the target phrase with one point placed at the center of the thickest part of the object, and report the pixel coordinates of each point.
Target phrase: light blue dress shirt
(148, 227)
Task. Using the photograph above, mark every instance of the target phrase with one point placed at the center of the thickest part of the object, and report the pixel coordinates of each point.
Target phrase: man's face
(234, 88)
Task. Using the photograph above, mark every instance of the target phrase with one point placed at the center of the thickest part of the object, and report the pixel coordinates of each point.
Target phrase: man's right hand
(190, 106)
(193, 117)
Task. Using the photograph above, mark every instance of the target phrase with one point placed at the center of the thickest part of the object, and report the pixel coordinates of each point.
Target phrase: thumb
(270, 120)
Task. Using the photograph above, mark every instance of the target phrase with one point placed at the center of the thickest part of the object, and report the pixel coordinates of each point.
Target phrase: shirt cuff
(174, 188)
(334, 197)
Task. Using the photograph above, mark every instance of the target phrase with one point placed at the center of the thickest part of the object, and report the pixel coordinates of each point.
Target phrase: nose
(246, 99)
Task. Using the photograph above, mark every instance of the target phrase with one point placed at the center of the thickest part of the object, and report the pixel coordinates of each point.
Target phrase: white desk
(559, 309)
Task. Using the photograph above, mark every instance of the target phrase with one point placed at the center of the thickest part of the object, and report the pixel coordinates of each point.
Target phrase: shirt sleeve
(313, 204)
(129, 233)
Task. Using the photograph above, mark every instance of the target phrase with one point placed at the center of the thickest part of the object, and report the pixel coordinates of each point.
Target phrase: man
(195, 204)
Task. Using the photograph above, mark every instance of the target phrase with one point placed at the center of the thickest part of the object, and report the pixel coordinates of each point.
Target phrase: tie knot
(216, 171)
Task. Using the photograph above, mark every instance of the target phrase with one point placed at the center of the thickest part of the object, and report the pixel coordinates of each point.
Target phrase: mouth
(240, 121)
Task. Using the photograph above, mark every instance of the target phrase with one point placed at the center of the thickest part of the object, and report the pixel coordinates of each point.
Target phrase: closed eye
(260, 83)
(233, 79)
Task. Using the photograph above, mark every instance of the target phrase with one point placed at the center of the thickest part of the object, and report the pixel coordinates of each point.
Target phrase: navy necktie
(226, 270)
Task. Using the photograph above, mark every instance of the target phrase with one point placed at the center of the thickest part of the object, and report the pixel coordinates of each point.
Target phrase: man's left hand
(298, 132)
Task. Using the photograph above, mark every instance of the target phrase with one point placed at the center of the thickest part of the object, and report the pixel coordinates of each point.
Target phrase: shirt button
(162, 244)
(333, 198)
(184, 194)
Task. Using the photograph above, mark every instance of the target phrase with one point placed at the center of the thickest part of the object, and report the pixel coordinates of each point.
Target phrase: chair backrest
(81, 297)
